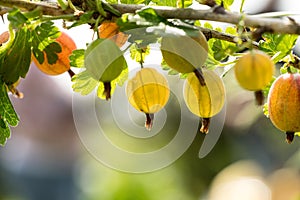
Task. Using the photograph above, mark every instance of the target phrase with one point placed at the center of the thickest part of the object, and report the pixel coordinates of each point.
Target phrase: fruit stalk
(289, 136)
(71, 73)
(205, 125)
(259, 97)
(107, 90)
(199, 74)
(149, 121)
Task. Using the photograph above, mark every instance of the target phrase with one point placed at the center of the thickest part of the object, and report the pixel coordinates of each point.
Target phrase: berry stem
(205, 125)
(149, 121)
(259, 97)
(107, 90)
(289, 136)
(199, 75)
(71, 73)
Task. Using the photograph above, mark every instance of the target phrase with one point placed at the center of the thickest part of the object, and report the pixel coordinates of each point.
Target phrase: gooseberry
(110, 30)
(284, 104)
(207, 100)
(183, 53)
(148, 92)
(254, 71)
(63, 63)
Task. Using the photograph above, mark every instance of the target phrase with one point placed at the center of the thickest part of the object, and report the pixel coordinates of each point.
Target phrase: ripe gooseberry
(254, 71)
(63, 63)
(110, 30)
(4, 37)
(204, 101)
(284, 104)
(148, 92)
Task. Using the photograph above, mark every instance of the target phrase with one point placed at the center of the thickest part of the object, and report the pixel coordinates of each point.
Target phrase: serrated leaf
(150, 15)
(280, 44)
(164, 65)
(51, 52)
(4, 132)
(186, 3)
(267, 88)
(42, 36)
(208, 25)
(211, 63)
(7, 111)
(172, 3)
(120, 80)
(15, 63)
(84, 83)
(172, 72)
(183, 76)
(226, 3)
(77, 58)
(139, 54)
(84, 18)
(266, 110)
(221, 49)
(7, 114)
(16, 18)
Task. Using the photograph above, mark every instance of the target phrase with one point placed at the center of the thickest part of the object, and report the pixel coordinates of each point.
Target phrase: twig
(276, 25)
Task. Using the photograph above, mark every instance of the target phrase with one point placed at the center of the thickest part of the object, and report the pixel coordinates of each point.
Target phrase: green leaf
(172, 3)
(16, 18)
(42, 36)
(7, 111)
(112, 1)
(7, 114)
(139, 53)
(150, 15)
(208, 25)
(120, 80)
(172, 72)
(84, 83)
(267, 88)
(4, 132)
(226, 3)
(266, 110)
(278, 44)
(186, 3)
(51, 52)
(16, 61)
(85, 18)
(77, 58)
(211, 62)
(132, 1)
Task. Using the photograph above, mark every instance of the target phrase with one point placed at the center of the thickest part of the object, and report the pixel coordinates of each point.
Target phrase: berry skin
(148, 92)
(284, 104)
(207, 100)
(183, 53)
(63, 63)
(254, 71)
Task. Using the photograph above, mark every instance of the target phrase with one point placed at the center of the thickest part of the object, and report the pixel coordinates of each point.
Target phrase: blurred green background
(44, 159)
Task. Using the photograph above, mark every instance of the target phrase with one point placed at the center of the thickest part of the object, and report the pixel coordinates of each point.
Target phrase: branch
(270, 24)
(46, 8)
(275, 25)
